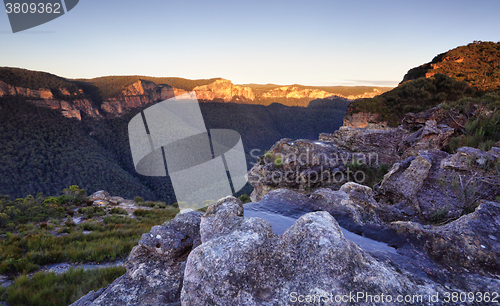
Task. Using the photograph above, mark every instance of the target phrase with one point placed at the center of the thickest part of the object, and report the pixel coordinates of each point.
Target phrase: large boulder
(353, 201)
(301, 165)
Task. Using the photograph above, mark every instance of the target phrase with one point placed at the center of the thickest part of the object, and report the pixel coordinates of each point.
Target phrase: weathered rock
(364, 120)
(100, 195)
(249, 265)
(116, 200)
(406, 182)
(302, 165)
(431, 136)
(471, 242)
(155, 267)
(220, 218)
(296, 93)
(353, 201)
(384, 145)
(436, 186)
(451, 118)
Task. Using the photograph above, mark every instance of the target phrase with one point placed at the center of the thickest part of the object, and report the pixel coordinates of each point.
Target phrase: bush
(92, 211)
(138, 199)
(143, 212)
(439, 216)
(245, 199)
(118, 210)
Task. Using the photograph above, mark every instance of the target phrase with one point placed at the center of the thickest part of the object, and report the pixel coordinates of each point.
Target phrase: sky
(309, 42)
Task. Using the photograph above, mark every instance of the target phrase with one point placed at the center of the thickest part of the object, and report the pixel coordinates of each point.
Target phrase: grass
(39, 231)
(110, 239)
(54, 290)
(372, 174)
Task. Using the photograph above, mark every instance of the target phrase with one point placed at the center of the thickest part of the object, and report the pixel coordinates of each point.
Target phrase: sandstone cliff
(224, 90)
(69, 106)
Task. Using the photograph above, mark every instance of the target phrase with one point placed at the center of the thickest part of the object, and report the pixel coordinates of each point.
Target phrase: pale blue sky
(284, 42)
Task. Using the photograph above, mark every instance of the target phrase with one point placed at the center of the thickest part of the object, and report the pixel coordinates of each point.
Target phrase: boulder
(302, 165)
(100, 195)
(353, 201)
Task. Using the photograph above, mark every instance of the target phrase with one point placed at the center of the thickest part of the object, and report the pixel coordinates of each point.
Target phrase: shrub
(118, 210)
(245, 199)
(138, 199)
(143, 212)
(439, 216)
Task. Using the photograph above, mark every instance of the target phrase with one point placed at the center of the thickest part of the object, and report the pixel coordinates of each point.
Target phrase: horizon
(317, 43)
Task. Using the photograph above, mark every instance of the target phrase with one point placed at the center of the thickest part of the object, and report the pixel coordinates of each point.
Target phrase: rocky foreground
(439, 211)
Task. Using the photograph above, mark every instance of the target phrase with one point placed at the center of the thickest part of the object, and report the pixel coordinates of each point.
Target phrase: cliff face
(224, 90)
(296, 93)
(139, 94)
(72, 108)
(364, 120)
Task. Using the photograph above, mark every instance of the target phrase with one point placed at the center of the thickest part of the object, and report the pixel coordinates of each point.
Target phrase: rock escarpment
(65, 101)
(225, 91)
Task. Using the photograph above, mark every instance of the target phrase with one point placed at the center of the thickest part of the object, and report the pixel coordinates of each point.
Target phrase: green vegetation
(244, 198)
(38, 231)
(53, 289)
(41, 151)
(414, 96)
(439, 216)
(482, 129)
(118, 210)
(477, 64)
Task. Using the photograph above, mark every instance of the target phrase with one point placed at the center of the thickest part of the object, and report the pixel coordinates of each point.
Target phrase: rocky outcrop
(241, 262)
(293, 92)
(70, 108)
(437, 187)
(306, 165)
(155, 267)
(42, 93)
(224, 258)
(364, 120)
(302, 165)
(224, 90)
(472, 242)
(138, 94)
